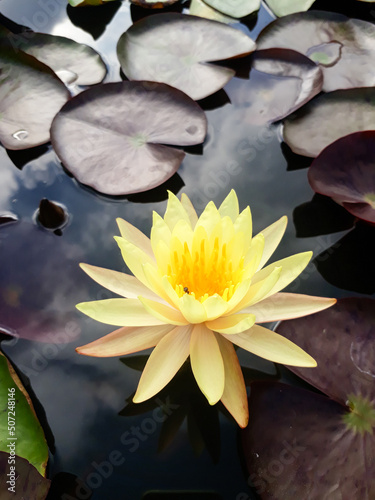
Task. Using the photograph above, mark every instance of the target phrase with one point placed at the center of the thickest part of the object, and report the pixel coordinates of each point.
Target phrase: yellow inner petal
(206, 265)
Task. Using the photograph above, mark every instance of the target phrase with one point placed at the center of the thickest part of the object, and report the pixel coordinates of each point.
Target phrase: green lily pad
(327, 118)
(17, 411)
(299, 445)
(113, 137)
(178, 49)
(29, 483)
(30, 96)
(345, 171)
(235, 8)
(72, 62)
(345, 48)
(342, 340)
(285, 7)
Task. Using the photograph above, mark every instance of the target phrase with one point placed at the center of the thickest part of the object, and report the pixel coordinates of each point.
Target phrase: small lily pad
(280, 82)
(327, 118)
(235, 8)
(72, 62)
(201, 9)
(29, 483)
(344, 47)
(30, 96)
(345, 171)
(342, 340)
(298, 445)
(285, 7)
(27, 435)
(178, 49)
(113, 137)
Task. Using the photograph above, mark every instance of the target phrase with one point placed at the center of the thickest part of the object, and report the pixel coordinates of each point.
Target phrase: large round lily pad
(19, 423)
(112, 137)
(280, 82)
(345, 171)
(298, 445)
(177, 49)
(30, 96)
(327, 118)
(235, 8)
(285, 7)
(345, 48)
(72, 62)
(342, 340)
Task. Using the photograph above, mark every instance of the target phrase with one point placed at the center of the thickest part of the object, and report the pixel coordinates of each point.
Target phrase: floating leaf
(30, 96)
(327, 118)
(345, 48)
(51, 215)
(84, 3)
(201, 9)
(153, 4)
(285, 7)
(27, 433)
(280, 82)
(235, 8)
(29, 483)
(176, 49)
(345, 172)
(296, 436)
(112, 137)
(72, 62)
(342, 340)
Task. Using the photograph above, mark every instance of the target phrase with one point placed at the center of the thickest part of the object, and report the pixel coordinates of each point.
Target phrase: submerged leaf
(344, 47)
(329, 117)
(113, 137)
(30, 96)
(345, 172)
(177, 49)
(27, 434)
(296, 436)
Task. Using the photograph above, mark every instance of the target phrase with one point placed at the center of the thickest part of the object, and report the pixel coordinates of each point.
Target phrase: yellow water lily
(199, 287)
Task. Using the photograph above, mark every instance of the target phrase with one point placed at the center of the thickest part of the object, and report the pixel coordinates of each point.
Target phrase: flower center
(205, 271)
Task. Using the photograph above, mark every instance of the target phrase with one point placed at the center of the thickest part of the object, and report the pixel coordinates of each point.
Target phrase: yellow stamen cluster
(205, 271)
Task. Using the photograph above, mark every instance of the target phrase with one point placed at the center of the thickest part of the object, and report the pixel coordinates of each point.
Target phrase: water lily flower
(198, 287)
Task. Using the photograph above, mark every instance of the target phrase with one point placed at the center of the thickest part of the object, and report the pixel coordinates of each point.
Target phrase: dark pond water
(82, 400)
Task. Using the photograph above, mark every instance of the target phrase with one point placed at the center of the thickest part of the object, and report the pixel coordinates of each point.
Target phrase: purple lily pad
(328, 118)
(178, 49)
(113, 137)
(72, 62)
(29, 483)
(298, 446)
(342, 340)
(39, 284)
(281, 81)
(30, 96)
(343, 47)
(345, 171)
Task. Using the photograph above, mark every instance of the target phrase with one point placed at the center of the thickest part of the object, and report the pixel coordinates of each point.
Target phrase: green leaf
(285, 7)
(30, 442)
